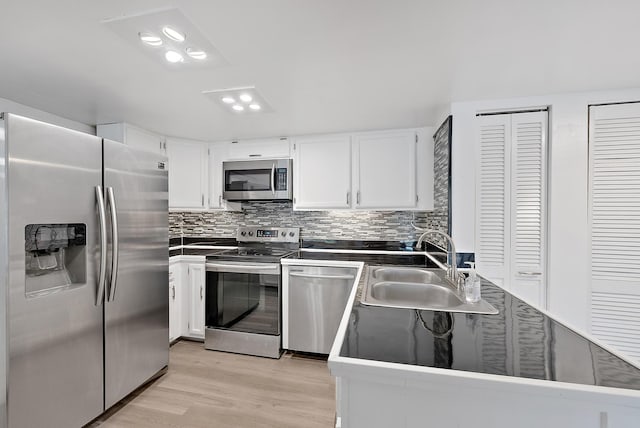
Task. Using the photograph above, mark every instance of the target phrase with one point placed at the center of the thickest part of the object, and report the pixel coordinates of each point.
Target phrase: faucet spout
(452, 270)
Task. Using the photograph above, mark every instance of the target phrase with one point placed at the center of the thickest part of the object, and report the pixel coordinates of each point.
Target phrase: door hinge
(416, 138)
(294, 146)
(203, 199)
(417, 199)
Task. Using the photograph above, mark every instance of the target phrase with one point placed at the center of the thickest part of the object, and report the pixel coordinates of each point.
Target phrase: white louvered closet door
(528, 196)
(492, 201)
(511, 202)
(614, 214)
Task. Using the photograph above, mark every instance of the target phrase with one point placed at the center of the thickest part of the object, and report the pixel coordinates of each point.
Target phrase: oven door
(243, 297)
(257, 180)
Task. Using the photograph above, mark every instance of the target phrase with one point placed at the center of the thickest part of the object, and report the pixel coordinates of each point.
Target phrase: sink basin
(406, 294)
(416, 288)
(406, 275)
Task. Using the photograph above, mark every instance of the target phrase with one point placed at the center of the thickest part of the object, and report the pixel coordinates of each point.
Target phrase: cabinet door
(262, 148)
(322, 172)
(196, 308)
(218, 152)
(132, 136)
(385, 170)
(187, 173)
(174, 302)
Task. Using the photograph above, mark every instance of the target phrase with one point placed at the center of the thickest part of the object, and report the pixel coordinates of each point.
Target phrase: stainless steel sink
(416, 288)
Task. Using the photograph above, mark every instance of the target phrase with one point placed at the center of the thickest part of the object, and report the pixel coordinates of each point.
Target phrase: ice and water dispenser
(55, 257)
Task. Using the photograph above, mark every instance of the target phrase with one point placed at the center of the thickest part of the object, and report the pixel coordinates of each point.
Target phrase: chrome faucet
(452, 270)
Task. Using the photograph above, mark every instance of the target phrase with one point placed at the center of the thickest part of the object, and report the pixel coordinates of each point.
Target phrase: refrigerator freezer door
(137, 310)
(55, 327)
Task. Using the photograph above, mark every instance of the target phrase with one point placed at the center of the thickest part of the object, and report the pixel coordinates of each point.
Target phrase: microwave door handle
(273, 179)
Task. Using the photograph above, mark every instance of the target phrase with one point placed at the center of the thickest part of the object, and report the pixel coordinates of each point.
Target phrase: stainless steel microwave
(257, 180)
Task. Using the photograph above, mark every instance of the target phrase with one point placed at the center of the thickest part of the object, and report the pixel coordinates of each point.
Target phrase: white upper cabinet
(187, 173)
(259, 148)
(373, 171)
(132, 136)
(384, 170)
(322, 172)
(218, 152)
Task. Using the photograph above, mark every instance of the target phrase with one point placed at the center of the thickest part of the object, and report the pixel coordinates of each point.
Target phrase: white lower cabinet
(175, 301)
(186, 297)
(196, 275)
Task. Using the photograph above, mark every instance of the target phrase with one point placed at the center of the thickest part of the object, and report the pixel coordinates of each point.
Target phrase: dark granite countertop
(399, 259)
(520, 341)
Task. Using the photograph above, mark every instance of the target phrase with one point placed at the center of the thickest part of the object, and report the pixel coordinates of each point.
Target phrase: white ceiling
(324, 65)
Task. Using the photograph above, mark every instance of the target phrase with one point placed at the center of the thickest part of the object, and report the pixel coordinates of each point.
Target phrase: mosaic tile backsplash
(355, 225)
(360, 225)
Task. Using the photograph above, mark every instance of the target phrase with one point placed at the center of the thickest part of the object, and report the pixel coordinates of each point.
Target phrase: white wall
(8, 106)
(569, 292)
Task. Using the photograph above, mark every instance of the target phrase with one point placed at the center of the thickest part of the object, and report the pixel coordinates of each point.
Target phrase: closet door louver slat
(614, 215)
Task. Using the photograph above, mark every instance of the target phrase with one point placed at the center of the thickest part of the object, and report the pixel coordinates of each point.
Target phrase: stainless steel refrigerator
(83, 273)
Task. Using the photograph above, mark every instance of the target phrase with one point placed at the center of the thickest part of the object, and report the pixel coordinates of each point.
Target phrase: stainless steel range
(243, 292)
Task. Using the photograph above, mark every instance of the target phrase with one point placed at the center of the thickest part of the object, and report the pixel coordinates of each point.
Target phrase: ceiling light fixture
(173, 57)
(174, 34)
(196, 53)
(245, 100)
(150, 39)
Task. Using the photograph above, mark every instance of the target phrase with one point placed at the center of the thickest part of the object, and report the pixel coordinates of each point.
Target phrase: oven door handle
(221, 267)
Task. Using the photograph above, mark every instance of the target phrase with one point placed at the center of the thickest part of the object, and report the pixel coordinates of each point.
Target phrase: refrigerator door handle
(111, 201)
(102, 276)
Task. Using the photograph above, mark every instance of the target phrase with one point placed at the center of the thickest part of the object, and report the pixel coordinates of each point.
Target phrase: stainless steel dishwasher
(317, 298)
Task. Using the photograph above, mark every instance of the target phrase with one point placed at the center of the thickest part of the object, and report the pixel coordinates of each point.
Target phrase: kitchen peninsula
(402, 367)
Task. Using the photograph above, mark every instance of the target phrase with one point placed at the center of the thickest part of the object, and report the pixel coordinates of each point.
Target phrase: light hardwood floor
(217, 389)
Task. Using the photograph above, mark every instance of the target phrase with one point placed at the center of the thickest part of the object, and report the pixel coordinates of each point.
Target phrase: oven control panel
(268, 234)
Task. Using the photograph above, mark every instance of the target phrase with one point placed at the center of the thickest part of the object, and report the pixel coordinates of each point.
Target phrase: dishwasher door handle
(319, 276)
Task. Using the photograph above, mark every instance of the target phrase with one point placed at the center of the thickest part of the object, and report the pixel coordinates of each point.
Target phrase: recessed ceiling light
(196, 53)
(237, 107)
(228, 100)
(255, 107)
(173, 34)
(246, 98)
(173, 56)
(150, 39)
